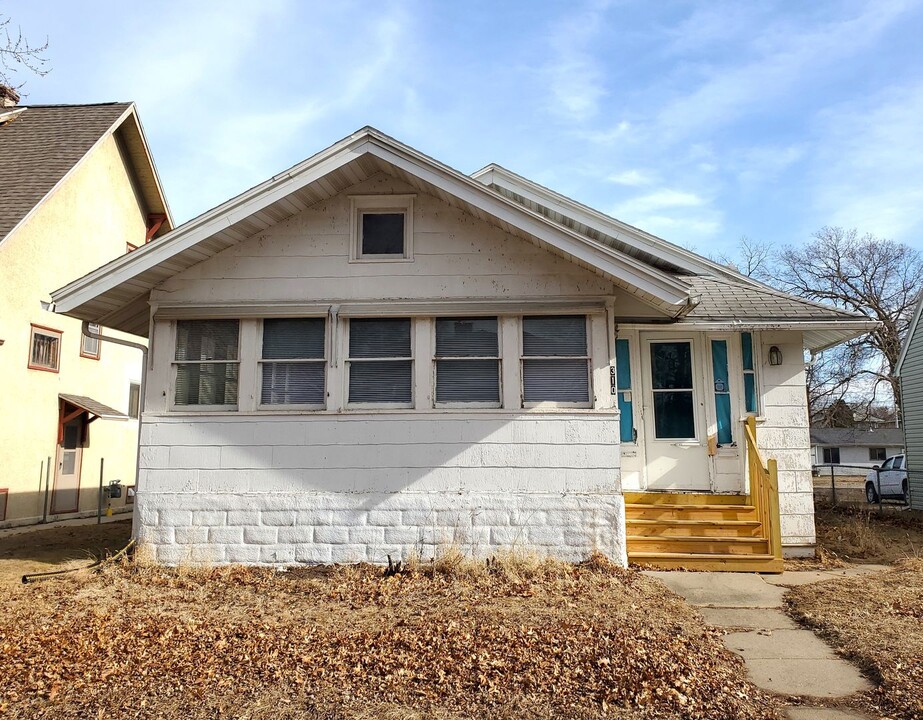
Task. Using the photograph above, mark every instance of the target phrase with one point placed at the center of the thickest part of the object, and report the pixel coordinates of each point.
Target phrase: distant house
(910, 370)
(854, 446)
(373, 354)
(77, 189)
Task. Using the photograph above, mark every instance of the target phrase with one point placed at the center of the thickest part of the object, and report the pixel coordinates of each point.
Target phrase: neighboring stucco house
(860, 448)
(910, 371)
(77, 189)
(372, 353)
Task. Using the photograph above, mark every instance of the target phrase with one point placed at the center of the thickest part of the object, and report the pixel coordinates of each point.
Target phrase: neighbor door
(65, 498)
(676, 456)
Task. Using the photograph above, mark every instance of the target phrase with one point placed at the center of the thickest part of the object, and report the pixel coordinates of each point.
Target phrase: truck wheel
(870, 493)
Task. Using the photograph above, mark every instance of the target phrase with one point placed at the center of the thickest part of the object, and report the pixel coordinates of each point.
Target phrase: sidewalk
(73, 522)
(781, 657)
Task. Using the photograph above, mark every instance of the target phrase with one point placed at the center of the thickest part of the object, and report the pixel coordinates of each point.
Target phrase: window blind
(380, 361)
(467, 360)
(206, 362)
(555, 365)
(294, 363)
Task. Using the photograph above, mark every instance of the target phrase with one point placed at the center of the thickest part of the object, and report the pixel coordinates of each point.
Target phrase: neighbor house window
(467, 360)
(293, 362)
(206, 363)
(876, 454)
(555, 361)
(134, 400)
(382, 227)
(623, 387)
(45, 349)
(380, 362)
(751, 402)
(831, 456)
(89, 346)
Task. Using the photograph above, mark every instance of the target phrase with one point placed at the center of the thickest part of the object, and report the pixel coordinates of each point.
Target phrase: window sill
(380, 259)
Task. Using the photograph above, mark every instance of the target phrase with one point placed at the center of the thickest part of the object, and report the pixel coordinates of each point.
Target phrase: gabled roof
(665, 276)
(908, 338)
(115, 294)
(41, 144)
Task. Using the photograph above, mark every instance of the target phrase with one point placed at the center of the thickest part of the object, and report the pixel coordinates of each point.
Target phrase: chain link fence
(860, 485)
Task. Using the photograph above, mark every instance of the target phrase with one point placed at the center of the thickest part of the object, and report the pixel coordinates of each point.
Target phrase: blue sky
(699, 122)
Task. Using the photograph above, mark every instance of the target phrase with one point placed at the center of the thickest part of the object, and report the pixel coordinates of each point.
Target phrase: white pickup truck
(891, 476)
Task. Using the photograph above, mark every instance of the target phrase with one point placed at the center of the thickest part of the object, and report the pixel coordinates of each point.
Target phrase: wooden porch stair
(710, 532)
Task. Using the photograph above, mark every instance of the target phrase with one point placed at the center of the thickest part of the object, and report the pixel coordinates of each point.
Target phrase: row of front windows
(467, 358)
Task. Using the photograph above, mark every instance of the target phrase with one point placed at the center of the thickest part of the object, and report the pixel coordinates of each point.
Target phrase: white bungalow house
(372, 354)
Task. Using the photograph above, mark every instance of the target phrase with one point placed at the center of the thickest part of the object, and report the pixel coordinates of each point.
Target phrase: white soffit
(116, 294)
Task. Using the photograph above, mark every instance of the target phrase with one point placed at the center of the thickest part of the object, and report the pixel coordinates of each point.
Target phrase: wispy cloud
(575, 76)
(631, 178)
(868, 171)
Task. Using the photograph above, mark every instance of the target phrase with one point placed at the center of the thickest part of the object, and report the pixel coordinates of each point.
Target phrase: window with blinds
(380, 361)
(467, 360)
(293, 363)
(206, 362)
(555, 360)
(89, 346)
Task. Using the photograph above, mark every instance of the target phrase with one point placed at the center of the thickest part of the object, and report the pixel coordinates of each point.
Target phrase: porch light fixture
(775, 356)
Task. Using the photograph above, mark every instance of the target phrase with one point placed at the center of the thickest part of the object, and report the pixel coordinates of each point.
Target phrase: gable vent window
(380, 362)
(293, 363)
(207, 363)
(467, 361)
(44, 349)
(555, 362)
(382, 228)
(89, 346)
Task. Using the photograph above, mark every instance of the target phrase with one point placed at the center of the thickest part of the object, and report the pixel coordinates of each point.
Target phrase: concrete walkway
(781, 657)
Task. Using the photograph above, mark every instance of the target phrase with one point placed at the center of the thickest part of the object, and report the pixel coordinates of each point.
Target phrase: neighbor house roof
(663, 275)
(854, 437)
(41, 144)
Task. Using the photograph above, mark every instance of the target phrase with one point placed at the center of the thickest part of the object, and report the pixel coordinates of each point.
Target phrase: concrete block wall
(320, 528)
(327, 488)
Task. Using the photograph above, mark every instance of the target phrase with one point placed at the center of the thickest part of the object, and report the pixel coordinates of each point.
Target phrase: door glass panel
(68, 462)
(71, 436)
(671, 381)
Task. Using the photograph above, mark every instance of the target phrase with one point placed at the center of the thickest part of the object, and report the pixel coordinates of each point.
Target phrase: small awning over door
(93, 407)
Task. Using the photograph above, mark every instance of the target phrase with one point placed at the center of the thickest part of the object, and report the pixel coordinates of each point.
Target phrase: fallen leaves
(554, 640)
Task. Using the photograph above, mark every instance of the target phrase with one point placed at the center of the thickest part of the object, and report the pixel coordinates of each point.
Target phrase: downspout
(85, 329)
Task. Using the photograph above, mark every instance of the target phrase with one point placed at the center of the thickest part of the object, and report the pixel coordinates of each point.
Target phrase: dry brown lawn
(864, 535)
(524, 639)
(877, 621)
(27, 550)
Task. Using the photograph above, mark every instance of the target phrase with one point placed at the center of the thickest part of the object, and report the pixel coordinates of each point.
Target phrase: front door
(676, 449)
(65, 498)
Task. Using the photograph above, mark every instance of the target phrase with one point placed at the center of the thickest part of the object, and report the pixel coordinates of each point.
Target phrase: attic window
(382, 228)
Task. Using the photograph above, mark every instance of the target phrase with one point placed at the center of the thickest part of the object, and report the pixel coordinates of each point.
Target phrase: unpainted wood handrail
(764, 489)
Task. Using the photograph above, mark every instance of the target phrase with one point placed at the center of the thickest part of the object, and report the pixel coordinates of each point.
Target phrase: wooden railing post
(764, 490)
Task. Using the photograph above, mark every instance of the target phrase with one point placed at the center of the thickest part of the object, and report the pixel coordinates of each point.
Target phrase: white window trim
(359, 204)
(478, 404)
(348, 360)
(174, 364)
(312, 407)
(757, 371)
(551, 404)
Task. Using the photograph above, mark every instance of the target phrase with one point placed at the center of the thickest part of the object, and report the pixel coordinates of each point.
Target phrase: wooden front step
(694, 528)
(689, 512)
(697, 531)
(696, 561)
(640, 544)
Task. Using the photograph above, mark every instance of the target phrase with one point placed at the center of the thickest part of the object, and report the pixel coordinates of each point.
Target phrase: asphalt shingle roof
(854, 437)
(39, 145)
(723, 298)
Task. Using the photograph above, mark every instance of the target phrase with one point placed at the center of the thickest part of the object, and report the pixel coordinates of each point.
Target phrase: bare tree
(753, 259)
(877, 277)
(17, 54)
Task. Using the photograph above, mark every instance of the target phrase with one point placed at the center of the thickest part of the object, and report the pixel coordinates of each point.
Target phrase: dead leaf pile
(587, 641)
(876, 621)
